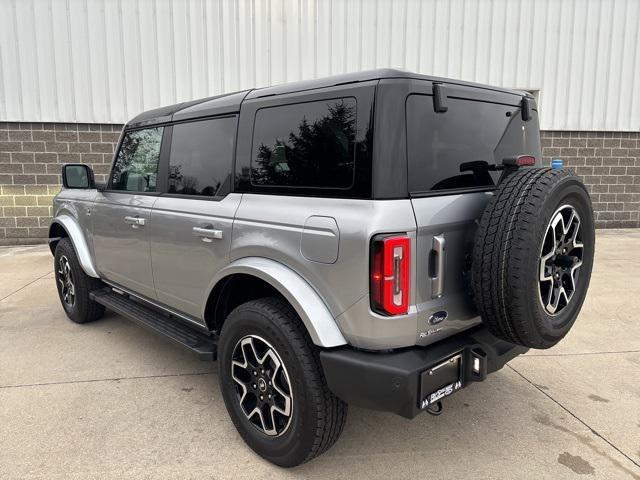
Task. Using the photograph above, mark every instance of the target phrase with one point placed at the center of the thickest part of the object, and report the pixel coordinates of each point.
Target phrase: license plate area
(441, 380)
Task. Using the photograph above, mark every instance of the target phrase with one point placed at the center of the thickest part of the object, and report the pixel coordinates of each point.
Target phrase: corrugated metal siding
(106, 60)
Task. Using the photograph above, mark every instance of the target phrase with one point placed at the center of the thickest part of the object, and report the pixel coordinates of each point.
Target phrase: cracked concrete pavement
(112, 400)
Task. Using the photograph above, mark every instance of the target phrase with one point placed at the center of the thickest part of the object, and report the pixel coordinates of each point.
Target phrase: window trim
(159, 180)
(451, 191)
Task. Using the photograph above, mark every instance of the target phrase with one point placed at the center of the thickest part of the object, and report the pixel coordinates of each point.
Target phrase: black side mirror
(77, 175)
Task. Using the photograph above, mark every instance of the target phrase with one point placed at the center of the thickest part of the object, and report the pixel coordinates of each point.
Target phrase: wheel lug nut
(269, 395)
(261, 397)
(255, 386)
(255, 373)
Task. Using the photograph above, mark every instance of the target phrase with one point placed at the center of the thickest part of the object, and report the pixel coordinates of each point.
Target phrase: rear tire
(316, 416)
(74, 285)
(533, 256)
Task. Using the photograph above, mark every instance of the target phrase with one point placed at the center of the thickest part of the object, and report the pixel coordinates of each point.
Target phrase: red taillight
(390, 271)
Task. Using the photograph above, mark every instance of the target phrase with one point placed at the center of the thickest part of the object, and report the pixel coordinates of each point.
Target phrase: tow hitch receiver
(450, 375)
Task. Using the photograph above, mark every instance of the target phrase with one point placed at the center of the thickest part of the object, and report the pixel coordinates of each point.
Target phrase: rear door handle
(437, 266)
(135, 222)
(207, 233)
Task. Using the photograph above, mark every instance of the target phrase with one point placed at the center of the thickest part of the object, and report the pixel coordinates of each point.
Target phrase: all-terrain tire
(318, 416)
(83, 309)
(508, 266)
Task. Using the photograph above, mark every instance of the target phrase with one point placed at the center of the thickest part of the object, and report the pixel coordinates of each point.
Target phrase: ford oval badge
(437, 317)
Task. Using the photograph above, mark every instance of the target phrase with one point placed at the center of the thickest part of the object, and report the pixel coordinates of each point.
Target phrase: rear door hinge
(439, 98)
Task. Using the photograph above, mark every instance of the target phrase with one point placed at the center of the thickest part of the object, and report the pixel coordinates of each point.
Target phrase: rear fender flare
(70, 225)
(312, 310)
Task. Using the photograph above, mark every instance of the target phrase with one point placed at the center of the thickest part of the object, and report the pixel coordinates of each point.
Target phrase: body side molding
(307, 303)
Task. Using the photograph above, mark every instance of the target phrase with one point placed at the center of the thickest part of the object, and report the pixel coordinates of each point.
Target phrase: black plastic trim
(526, 109)
(202, 344)
(439, 98)
(392, 381)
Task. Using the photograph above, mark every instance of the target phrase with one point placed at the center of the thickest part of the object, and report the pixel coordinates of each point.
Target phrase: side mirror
(77, 175)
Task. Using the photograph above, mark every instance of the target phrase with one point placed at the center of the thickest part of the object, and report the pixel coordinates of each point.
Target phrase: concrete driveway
(112, 400)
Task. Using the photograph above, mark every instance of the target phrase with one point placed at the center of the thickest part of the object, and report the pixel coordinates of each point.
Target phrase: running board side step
(203, 345)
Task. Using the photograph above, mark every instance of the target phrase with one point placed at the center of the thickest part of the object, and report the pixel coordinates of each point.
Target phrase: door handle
(135, 222)
(436, 266)
(207, 233)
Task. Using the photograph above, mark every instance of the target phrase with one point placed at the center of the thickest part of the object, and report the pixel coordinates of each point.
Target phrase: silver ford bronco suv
(381, 239)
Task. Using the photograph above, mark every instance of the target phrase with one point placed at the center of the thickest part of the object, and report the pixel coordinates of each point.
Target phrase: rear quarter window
(305, 145)
(454, 151)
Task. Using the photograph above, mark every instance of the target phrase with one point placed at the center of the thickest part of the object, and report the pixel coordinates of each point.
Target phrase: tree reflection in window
(136, 168)
(306, 145)
(189, 184)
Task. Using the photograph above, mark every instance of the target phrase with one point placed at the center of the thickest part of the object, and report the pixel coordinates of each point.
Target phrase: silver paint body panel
(122, 249)
(72, 210)
(315, 251)
(271, 226)
(185, 264)
(449, 220)
(305, 300)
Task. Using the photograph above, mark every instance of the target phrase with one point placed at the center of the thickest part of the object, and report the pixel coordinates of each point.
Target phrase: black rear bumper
(399, 381)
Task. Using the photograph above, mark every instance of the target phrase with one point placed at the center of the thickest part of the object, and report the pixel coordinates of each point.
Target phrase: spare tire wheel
(532, 256)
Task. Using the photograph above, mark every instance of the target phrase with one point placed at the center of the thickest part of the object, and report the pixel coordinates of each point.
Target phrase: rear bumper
(399, 381)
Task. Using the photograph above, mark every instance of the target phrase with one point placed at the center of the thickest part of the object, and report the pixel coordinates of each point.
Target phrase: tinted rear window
(305, 145)
(452, 150)
(201, 156)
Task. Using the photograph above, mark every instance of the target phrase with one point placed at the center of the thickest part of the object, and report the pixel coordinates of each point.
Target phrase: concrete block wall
(31, 155)
(609, 164)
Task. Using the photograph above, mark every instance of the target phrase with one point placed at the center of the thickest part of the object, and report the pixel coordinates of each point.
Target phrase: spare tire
(532, 256)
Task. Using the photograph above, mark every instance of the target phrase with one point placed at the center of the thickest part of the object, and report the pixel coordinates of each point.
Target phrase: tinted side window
(454, 150)
(305, 145)
(201, 156)
(136, 167)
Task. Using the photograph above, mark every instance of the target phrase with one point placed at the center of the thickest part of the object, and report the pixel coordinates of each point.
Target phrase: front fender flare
(76, 236)
(314, 313)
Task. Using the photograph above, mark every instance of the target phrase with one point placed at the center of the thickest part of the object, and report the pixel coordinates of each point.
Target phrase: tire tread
(87, 310)
(501, 249)
(330, 411)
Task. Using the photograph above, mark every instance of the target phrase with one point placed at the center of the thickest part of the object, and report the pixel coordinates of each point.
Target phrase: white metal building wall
(106, 60)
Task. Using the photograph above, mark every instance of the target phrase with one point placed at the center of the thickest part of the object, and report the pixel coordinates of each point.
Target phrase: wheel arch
(65, 226)
(255, 277)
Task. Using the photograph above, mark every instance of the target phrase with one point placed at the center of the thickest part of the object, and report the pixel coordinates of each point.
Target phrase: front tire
(273, 385)
(74, 285)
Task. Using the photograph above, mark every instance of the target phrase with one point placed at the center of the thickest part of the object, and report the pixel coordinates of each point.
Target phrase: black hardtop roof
(230, 102)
